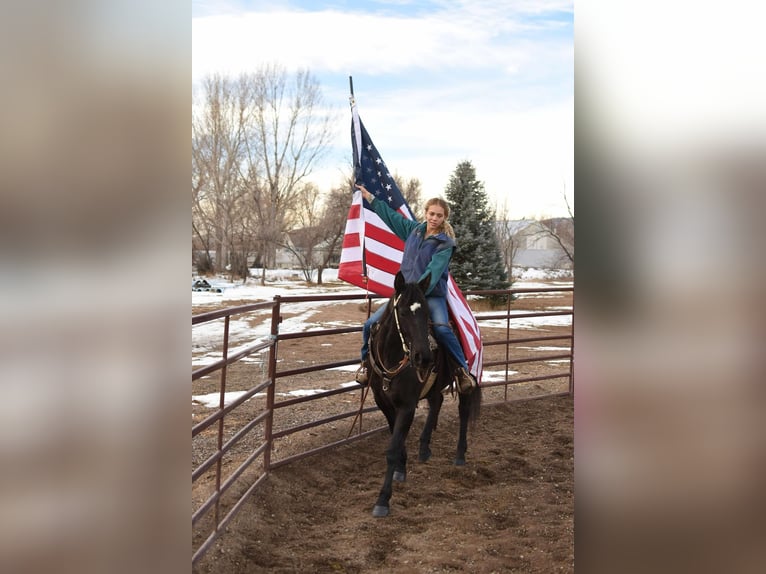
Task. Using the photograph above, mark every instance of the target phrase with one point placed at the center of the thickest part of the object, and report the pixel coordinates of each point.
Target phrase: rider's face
(434, 218)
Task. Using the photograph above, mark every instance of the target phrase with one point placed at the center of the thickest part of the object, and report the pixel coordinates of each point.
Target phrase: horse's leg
(384, 404)
(404, 417)
(400, 469)
(464, 409)
(435, 401)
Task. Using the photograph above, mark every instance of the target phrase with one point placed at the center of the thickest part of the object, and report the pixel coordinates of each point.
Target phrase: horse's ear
(399, 282)
(424, 283)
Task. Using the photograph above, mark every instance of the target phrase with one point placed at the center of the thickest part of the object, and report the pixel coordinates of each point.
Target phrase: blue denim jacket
(421, 256)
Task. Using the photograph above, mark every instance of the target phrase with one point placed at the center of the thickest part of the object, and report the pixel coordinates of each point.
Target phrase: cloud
(437, 83)
(328, 40)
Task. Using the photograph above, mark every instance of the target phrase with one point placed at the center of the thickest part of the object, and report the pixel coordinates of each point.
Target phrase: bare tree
(508, 239)
(290, 132)
(317, 239)
(302, 241)
(561, 231)
(255, 139)
(218, 149)
(411, 191)
(333, 224)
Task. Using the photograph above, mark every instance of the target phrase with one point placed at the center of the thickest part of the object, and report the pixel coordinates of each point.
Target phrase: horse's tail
(474, 405)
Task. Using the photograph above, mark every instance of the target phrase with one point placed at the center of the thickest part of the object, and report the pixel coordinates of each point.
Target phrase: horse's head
(412, 315)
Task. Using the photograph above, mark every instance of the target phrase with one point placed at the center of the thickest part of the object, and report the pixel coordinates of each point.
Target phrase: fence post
(571, 356)
(221, 404)
(509, 294)
(270, 393)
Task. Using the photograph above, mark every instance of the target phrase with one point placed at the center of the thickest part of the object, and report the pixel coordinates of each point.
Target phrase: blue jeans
(444, 335)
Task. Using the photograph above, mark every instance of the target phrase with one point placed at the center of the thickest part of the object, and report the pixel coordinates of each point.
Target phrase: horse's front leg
(400, 468)
(434, 407)
(395, 457)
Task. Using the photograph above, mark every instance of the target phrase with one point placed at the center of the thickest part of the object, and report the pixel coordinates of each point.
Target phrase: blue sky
(436, 83)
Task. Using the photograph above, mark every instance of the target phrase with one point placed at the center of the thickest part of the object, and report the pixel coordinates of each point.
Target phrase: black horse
(404, 367)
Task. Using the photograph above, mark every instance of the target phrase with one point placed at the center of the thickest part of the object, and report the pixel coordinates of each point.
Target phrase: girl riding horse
(428, 249)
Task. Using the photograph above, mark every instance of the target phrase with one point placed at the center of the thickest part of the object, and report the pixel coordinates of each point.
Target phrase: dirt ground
(510, 509)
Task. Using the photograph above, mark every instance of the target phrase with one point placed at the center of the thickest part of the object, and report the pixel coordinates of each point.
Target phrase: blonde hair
(446, 227)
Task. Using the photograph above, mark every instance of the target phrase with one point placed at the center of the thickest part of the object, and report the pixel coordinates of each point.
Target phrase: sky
(436, 83)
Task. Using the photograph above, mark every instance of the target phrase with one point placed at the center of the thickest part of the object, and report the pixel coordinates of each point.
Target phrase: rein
(385, 373)
(399, 329)
(382, 371)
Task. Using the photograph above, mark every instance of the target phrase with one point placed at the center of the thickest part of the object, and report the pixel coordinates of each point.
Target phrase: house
(303, 242)
(532, 243)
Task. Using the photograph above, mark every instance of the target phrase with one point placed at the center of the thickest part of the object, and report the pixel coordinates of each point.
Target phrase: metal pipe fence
(235, 447)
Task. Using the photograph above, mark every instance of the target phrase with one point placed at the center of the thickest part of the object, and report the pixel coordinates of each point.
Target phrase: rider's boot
(362, 376)
(465, 381)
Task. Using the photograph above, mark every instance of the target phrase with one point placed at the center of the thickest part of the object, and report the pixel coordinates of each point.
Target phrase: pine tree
(477, 262)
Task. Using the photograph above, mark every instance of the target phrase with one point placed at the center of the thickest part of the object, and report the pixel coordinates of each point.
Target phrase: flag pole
(352, 103)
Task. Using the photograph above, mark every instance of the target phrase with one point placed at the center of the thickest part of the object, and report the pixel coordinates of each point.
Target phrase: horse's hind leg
(464, 409)
(435, 401)
(394, 458)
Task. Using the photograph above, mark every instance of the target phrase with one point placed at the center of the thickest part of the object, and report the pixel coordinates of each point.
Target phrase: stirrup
(465, 381)
(361, 375)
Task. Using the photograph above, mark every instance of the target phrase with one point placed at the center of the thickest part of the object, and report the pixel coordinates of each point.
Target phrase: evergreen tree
(477, 262)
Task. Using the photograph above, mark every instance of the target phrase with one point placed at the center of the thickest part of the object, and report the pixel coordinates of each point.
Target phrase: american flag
(372, 253)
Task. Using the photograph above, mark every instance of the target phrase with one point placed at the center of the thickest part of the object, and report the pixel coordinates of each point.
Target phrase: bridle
(384, 372)
(405, 348)
(387, 374)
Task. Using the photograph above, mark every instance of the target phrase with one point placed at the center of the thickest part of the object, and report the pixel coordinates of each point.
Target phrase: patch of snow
(212, 400)
(522, 274)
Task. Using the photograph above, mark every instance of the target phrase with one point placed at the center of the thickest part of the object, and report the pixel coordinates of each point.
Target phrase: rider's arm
(399, 224)
(438, 264)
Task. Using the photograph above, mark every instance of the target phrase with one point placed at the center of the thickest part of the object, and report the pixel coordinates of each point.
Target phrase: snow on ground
(278, 282)
(541, 274)
(212, 400)
(207, 337)
(519, 321)
(534, 278)
(290, 282)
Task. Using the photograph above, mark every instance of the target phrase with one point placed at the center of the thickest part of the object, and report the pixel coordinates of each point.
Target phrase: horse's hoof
(399, 476)
(424, 456)
(459, 462)
(380, 511)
